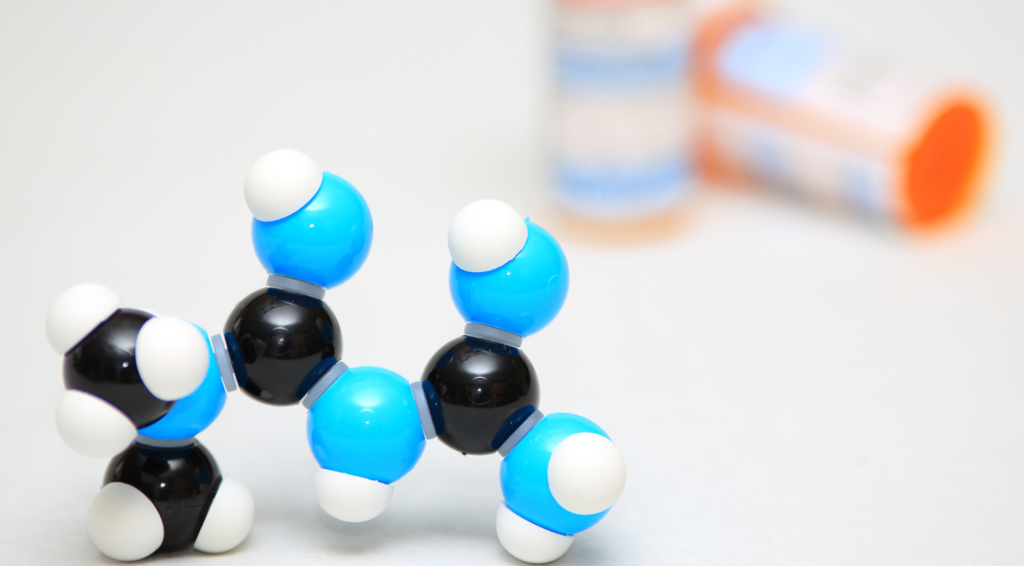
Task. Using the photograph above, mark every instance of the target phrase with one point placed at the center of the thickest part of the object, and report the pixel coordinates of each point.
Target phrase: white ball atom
(280, 183)
(229, 519)
(91, 426)
(586, 473)
(123, 523)
(77, 312)
(529, 542)
(485, 235)
(172, 357)
(350, 498)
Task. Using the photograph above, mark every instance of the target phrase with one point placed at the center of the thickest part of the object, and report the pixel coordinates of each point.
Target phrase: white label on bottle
(622, 129)
(848, 117)
(812, 74)
(639, 25)
(785, 159)
(622, 126)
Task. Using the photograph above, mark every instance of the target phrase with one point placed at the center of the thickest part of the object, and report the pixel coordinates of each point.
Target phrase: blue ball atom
(524, 475)
(193, 413)
(325, 242)
(366, 424)
(523, 295)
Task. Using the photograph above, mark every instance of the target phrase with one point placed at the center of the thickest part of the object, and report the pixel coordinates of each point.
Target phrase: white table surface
(788, 387)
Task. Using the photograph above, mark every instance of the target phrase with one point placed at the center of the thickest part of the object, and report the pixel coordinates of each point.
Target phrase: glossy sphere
(76, 312)
(485, 235)
(479, 390)
(325, 242)
(191, 415)
(366, 425)
(280, 344)
(586, 473)
(181, 483)
(524, 475)
(522, 296)
(280, 183)
(172, 357)
(103, 364)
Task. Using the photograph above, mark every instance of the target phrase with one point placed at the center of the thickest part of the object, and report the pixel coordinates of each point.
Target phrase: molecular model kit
(140, 387)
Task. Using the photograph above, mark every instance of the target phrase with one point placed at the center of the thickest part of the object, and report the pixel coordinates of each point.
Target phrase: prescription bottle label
(622, 126)
(807, 116)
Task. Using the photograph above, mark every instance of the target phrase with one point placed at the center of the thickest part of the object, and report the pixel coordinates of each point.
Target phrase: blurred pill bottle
(622, 121)
(790, 108)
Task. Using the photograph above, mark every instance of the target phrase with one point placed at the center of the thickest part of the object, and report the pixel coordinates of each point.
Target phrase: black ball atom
(479, 392)
(280, 343)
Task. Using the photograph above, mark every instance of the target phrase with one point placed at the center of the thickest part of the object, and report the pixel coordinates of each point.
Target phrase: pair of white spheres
(586, 475)
(483, 236)
(171, 356)
(124, 525)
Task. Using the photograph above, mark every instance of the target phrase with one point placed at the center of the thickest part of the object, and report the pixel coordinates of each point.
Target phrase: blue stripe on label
(767, 159)
(628, 188)
(621, 68)
(773, 58)
(861, 187)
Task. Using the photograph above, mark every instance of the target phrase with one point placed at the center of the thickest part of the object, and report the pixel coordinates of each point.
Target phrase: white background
(788, 386)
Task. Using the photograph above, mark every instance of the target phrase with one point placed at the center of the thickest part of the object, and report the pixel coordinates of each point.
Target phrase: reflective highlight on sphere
(280, 344)
(325, 242)
(524, 475)
(103, 364)
(485, 235)
(479, 391)
(181, 482)
(192, 414)
(523, 295)
(366, 425)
